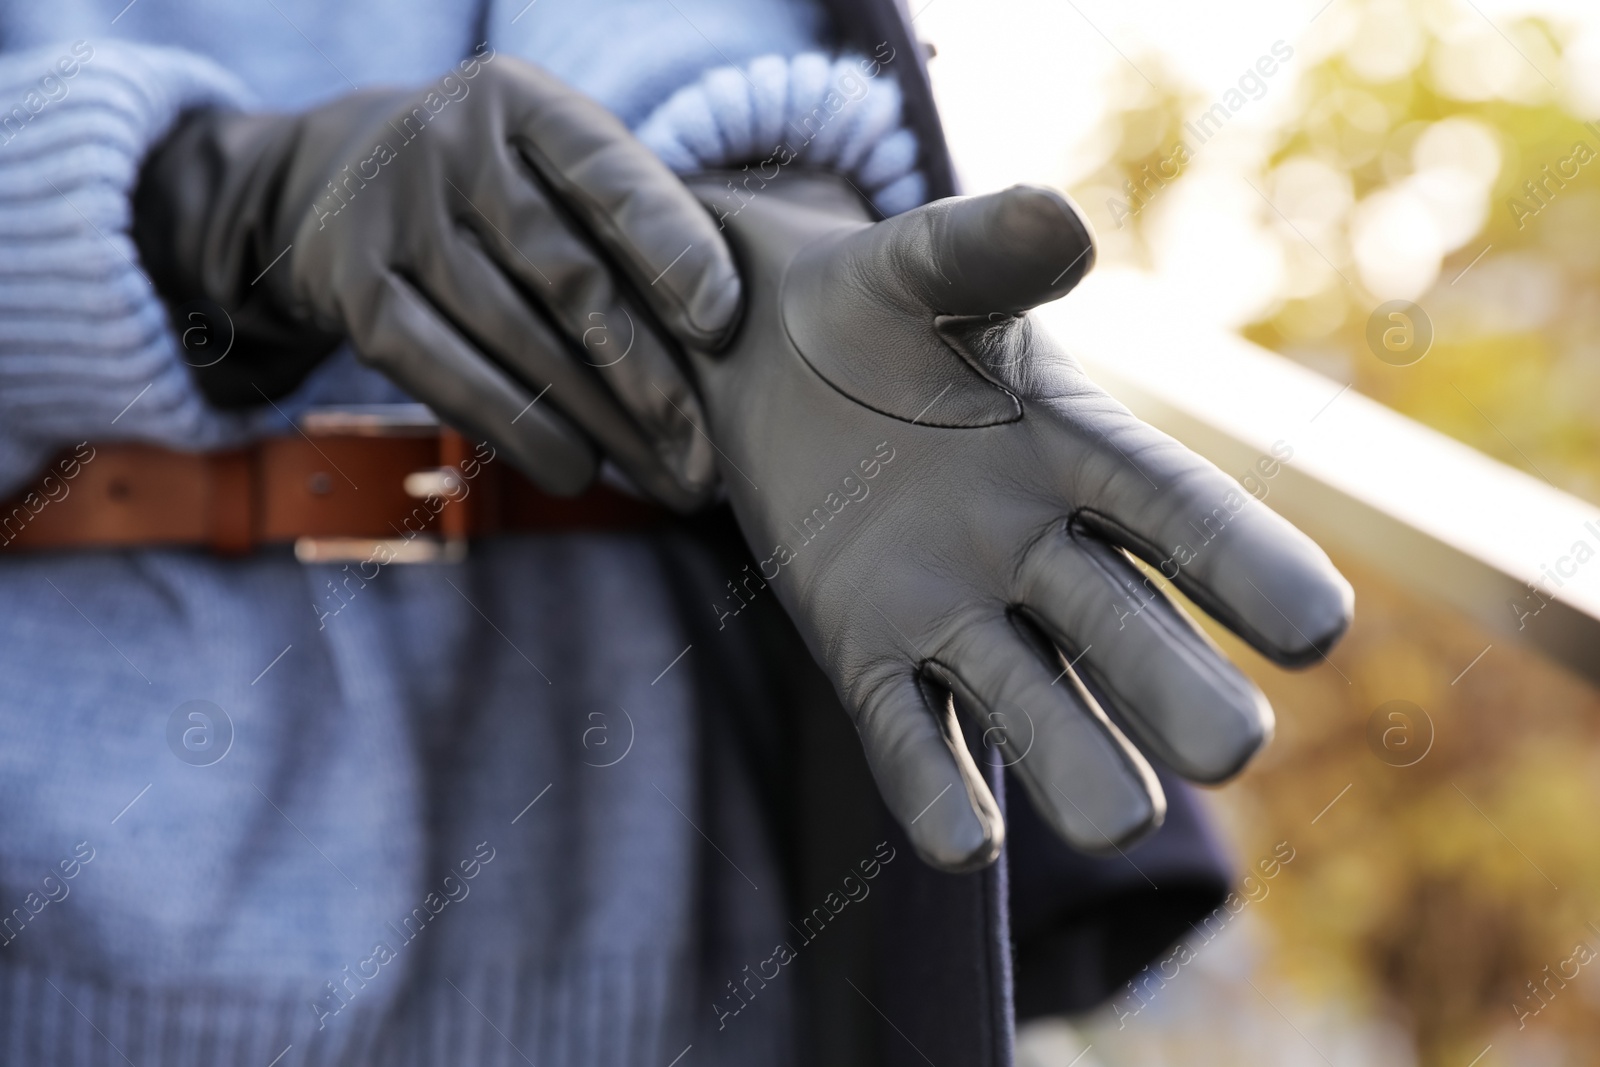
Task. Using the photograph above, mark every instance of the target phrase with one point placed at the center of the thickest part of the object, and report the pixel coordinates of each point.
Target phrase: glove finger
(521, 231)
(634, 207)
(1000, 253)
(420, 351)
(927, 777)
(1183, 700)
(668, 458)
(1084, 777)
(1239, 561)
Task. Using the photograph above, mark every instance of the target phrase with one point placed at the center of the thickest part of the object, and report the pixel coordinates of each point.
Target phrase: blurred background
(1442, 906)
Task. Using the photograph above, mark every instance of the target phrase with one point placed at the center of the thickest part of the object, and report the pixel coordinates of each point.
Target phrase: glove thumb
(1002, 252)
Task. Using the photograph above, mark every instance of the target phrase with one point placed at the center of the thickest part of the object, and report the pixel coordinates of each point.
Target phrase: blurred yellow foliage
(1449, 895)
(1433, 891)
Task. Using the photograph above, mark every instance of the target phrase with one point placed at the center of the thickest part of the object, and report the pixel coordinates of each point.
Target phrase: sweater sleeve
(707, 84)
(86, 348)
(842, 115)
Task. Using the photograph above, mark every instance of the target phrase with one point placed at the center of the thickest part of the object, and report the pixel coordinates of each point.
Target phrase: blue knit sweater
(462, 819)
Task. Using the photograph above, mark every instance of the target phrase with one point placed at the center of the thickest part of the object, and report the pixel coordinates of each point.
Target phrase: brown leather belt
(352, 482)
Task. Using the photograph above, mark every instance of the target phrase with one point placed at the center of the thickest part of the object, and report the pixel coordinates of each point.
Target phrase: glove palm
(946, 505)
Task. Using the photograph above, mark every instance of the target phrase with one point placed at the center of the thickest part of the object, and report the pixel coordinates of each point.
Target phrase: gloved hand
(945, 505)
(481, 241)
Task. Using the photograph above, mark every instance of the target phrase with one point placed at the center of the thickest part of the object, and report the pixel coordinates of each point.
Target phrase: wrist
(727, 193)
(209, 243)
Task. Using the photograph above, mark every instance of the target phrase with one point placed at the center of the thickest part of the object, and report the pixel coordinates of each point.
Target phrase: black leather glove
(481, 241)
(945, 504)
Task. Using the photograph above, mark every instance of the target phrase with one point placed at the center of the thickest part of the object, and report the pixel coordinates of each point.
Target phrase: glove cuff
(82, 331)
(841, 115)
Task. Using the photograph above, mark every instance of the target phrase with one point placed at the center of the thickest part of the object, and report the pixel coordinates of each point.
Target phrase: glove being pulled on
(487, 242)
(948, 508)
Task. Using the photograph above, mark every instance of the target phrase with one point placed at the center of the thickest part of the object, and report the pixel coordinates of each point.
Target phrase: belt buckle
(392, 420)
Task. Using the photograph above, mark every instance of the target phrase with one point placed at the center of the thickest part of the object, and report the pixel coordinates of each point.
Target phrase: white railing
(1436, 516)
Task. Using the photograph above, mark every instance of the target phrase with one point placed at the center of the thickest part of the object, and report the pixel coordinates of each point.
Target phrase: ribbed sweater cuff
(86, 350)
(806, 110)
